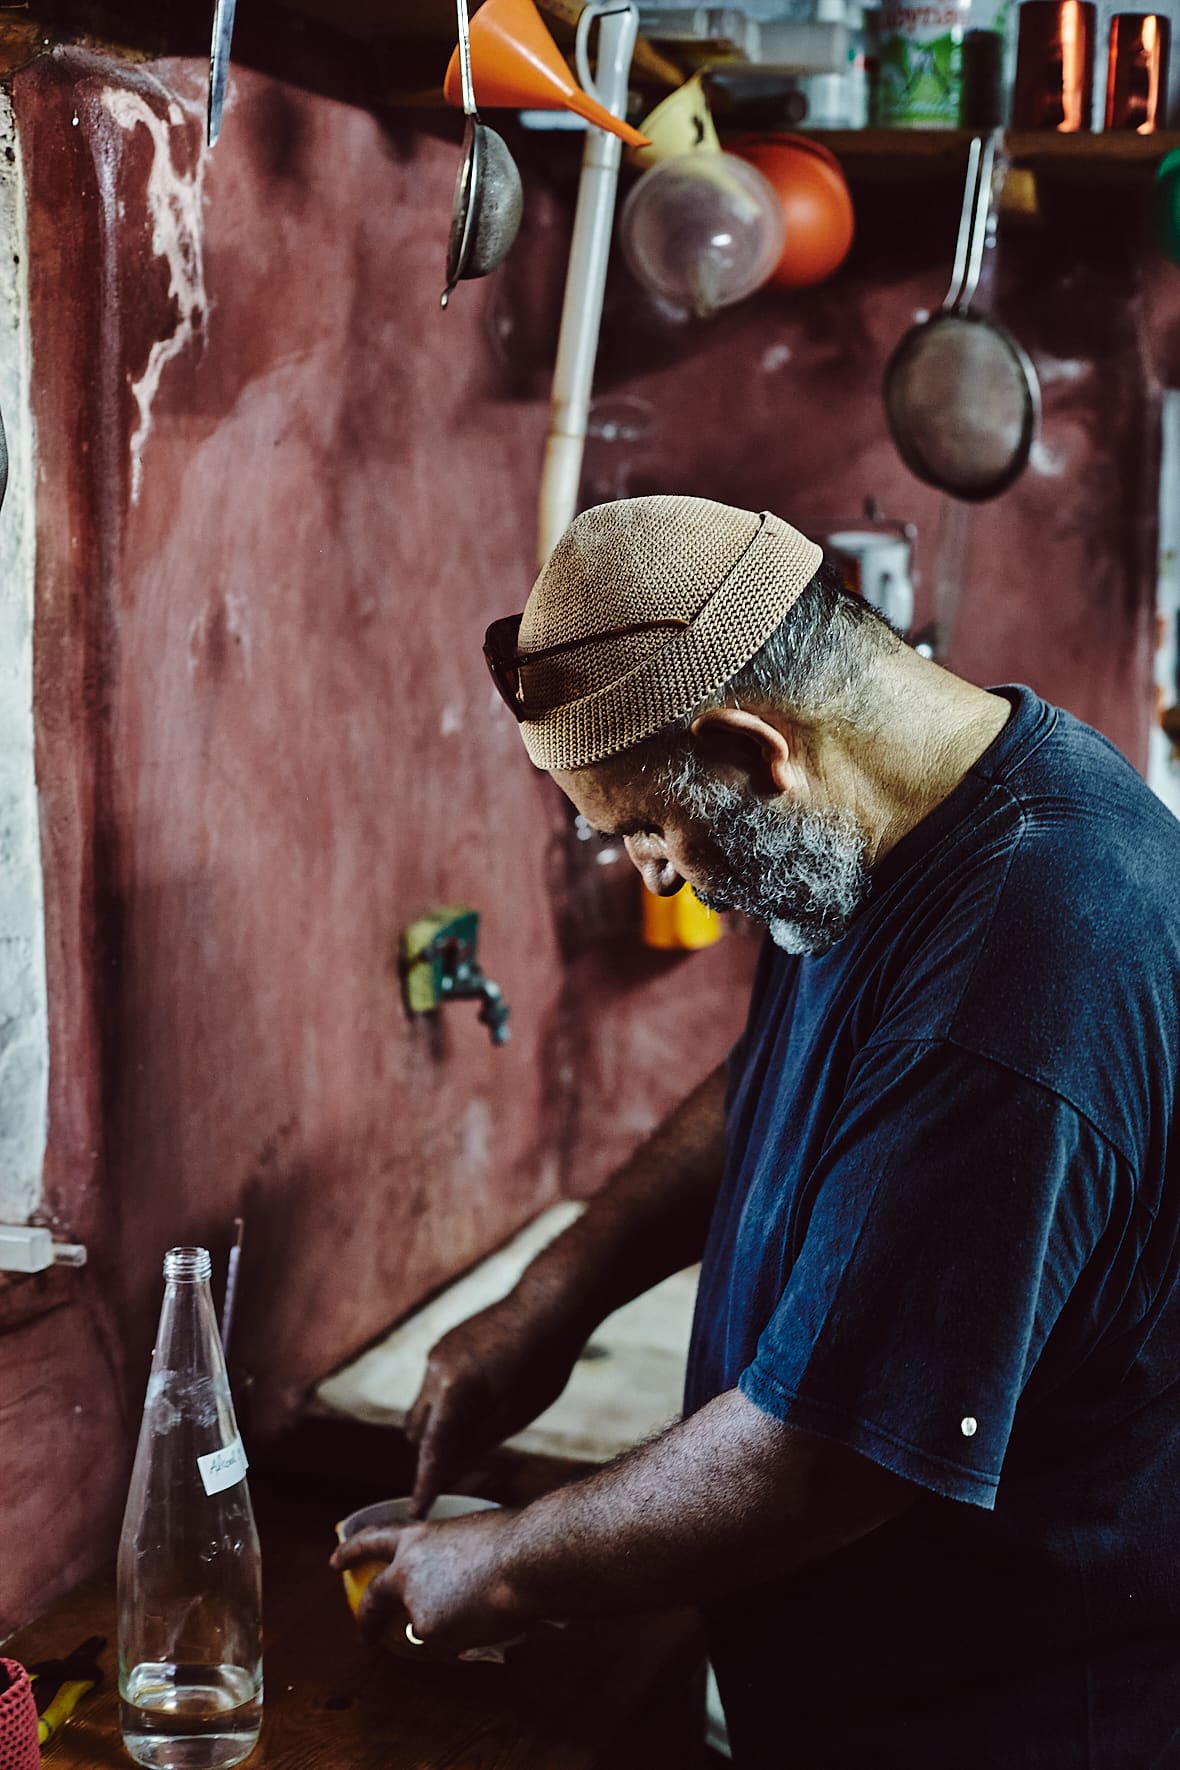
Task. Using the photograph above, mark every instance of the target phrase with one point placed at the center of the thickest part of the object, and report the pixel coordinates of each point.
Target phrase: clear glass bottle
(190, 1572)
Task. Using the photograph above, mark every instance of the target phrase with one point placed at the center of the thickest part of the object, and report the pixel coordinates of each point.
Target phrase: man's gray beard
(801, 872)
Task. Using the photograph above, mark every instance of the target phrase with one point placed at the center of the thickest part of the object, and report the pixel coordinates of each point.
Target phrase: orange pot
(817, 207)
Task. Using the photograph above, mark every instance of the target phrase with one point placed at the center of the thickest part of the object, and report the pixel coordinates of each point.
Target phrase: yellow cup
(357, 1579)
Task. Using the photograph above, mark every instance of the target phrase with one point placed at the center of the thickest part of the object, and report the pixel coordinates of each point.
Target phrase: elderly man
(927, 1483)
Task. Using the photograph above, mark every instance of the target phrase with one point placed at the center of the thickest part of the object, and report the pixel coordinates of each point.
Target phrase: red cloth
(18, 1721)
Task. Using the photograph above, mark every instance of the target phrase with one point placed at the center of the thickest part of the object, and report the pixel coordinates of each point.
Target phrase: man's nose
(654, 867)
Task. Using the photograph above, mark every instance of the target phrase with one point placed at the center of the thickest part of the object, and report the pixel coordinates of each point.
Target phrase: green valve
(440, 964)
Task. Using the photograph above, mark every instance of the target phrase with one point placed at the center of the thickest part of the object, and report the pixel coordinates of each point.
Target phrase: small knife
(223, 30)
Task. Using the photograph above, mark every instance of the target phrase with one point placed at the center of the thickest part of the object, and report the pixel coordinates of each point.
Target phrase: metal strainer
(488, 201)
(961, 395)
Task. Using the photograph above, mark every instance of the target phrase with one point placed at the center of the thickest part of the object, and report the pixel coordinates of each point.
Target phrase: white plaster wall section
(1052, 460)
(24, 1024)
(174, 203)
(1051, 369)
(1049, 463)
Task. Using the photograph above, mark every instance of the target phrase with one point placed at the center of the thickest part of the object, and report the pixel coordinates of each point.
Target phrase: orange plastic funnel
(516, 65)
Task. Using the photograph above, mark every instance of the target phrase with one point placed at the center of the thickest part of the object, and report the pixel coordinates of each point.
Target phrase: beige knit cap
(705, 584)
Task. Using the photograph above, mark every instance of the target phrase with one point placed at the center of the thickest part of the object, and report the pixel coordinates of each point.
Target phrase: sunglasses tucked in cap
(645, 608)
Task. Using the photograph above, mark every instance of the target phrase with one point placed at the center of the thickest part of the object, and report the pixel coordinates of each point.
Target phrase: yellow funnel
(681, 124)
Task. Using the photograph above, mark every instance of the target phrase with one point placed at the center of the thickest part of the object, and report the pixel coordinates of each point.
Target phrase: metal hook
(974, 221)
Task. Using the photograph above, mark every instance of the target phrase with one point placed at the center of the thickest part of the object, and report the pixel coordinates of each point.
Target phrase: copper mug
(1054, 65)
(1137, 71)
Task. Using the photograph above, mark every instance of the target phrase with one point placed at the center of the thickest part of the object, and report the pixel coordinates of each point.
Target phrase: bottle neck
(187, 1266)
(187, 1340)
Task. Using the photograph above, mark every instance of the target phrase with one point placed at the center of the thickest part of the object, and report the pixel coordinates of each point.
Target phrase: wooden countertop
(625, 1694)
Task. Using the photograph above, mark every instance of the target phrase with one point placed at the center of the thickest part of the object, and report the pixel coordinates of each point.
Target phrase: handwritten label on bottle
(223, 1468)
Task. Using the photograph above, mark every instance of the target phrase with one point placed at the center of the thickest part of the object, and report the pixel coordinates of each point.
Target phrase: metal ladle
(489, 201)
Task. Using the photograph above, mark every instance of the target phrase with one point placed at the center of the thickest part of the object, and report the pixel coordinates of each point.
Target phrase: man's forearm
(726, 1499)
(648, 1221)
(501, 1368)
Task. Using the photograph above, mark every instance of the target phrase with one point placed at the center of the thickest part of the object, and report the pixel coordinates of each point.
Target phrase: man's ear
(730, 739)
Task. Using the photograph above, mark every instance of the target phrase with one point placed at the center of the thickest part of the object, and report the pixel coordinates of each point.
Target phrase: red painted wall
(266, 740)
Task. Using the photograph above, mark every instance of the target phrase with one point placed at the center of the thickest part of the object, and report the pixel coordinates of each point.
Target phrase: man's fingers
(380, 1600)
(437, 1380)
(367, 1545)
(447, 1422)
(428, 1479)
(419, 1415)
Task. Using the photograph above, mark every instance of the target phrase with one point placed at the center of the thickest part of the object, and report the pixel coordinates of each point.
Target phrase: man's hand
(495, 1373)
(728, 1498)
(449, 1578)
(484, 1380)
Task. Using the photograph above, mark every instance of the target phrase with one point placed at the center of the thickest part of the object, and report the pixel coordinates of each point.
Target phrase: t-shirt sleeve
(949, 1219)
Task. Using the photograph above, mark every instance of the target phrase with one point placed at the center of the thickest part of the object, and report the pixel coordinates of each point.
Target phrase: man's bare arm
(492, 1374)
(728, 1498)
(648, 1221)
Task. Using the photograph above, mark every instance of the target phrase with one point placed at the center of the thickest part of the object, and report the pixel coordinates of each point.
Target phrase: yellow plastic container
(680, 923)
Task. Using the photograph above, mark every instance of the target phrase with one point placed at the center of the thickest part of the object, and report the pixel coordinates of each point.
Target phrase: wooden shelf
(887, 155)
(1113, 148)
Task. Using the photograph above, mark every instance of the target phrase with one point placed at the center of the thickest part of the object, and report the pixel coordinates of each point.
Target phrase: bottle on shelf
(916, 64)
(190, 1572)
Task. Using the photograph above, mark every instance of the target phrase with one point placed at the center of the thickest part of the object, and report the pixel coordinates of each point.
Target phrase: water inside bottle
(190, 1717)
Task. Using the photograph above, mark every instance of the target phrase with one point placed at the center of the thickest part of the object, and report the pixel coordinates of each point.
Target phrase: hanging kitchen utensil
(815, 200)
(961, 396)
(702, 231)
(682, 123)
(223, 30)
(519, 67)
(585, 282)
(488, 201)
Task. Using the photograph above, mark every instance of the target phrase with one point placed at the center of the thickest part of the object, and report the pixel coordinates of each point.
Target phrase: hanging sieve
(961, 396)
(488, 201)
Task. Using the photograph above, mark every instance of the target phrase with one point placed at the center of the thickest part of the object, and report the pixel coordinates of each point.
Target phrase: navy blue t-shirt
(948, 1236)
